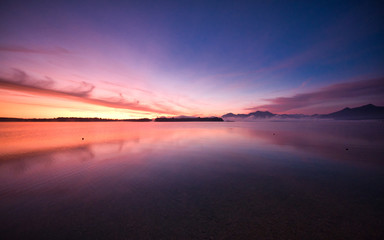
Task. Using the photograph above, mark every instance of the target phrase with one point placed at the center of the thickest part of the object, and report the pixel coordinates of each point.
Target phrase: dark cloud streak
(367, 89)
(21, 49)
(20, 81)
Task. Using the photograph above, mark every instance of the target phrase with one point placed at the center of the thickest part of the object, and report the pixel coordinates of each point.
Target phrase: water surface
(229, 180)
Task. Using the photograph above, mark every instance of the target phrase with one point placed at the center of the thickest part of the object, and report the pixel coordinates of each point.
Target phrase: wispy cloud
(21, 49)
(367, 89)
(81, 89)
(82, 92)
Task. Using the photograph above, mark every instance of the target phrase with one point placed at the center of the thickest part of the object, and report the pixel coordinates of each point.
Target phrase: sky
(145, 59)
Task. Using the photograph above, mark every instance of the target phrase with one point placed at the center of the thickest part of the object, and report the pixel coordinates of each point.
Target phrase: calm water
(263, 180)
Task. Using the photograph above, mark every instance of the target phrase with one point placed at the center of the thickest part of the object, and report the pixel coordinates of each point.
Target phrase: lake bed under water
(196, 180)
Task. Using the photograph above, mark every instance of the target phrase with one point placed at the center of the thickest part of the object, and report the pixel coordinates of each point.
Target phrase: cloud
(22, 82)
(22, 79)
(21, 49)
(367, 89)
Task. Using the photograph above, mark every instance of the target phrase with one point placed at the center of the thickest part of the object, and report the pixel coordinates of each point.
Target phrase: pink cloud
(22, 82)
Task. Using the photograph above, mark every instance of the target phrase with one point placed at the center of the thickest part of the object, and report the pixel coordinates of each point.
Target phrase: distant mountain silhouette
(369, 111)
(263, 115)
(258, 114)
(365, 112)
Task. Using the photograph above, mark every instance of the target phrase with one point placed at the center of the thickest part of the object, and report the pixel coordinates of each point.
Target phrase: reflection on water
(192, 180)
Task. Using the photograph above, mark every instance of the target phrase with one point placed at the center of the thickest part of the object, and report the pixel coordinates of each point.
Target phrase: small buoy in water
(346, 149)
(82, 138)
(274, 134)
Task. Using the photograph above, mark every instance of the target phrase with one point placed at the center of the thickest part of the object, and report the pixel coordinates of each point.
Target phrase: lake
(196, 180)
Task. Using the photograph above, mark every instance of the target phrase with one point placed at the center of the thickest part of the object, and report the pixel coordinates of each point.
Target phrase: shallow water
(219, 180)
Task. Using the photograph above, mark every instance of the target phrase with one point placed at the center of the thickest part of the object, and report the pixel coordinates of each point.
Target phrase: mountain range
(365, 112)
